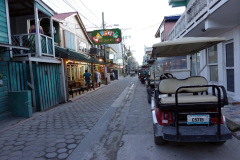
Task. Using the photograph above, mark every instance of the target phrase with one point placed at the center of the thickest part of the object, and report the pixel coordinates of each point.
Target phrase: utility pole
(103, 29)
(104, 49)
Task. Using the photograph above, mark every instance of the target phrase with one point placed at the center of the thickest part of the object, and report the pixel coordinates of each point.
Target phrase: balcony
(195, 15)
(28, 40)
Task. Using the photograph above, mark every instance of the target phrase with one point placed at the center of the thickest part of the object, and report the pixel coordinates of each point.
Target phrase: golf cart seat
(189, 93)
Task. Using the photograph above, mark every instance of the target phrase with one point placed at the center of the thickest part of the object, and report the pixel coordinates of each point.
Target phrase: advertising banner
(106, 36)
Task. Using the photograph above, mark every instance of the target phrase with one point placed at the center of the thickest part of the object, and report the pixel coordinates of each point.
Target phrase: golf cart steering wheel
(166, 75)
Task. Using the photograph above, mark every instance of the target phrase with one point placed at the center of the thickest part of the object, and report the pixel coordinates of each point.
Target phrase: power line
(55, 5)
(78, 12)
(90, 10)
(81, 7)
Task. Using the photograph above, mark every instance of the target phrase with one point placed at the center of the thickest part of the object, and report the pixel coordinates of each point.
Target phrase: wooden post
(32, 84)
(63, 80)
(70, 69)
(8, 26)
(37, 36)
(52, 35)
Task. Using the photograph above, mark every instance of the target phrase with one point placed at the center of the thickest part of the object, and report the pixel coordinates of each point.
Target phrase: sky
(139, 20)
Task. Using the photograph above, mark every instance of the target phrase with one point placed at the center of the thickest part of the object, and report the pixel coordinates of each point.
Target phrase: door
(229, 66)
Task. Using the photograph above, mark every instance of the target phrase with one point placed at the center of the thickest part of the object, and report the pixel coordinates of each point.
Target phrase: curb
(234, 128)
(232, 125)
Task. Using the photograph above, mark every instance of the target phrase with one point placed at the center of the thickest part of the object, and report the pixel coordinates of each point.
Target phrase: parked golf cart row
(143, 73)
(186, 110)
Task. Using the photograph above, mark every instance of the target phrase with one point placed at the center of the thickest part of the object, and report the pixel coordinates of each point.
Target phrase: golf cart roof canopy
(184, 46)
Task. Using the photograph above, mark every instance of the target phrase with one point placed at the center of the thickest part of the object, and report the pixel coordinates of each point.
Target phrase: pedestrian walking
(87, 76)
(96, 78)
(99, 79)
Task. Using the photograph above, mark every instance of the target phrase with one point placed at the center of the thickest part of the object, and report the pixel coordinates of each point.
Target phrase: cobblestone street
(54, 134)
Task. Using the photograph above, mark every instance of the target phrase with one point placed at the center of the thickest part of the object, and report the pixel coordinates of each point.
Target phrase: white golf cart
(187, 110)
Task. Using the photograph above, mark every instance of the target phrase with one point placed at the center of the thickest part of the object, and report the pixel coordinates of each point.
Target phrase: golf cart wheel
(149, 98)
(159, 140)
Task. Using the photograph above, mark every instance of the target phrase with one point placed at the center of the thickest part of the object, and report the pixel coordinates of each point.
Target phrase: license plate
(198, 119)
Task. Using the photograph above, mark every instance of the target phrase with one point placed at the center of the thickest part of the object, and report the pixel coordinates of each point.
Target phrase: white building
(213, 18)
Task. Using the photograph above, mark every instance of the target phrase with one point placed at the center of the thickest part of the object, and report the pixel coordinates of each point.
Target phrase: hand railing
(46, 45)
(28, 40)
(195, 10)
(24, 40)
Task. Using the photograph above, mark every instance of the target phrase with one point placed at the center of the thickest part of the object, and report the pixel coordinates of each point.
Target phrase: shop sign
(106, 36)
(119, 61)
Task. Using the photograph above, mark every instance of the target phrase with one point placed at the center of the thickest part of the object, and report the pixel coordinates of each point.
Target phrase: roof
(62, 16)
(184, 46)
(73, 55)
(173, 18)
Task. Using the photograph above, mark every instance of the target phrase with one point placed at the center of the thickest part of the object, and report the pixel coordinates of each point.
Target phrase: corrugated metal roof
(172, 18)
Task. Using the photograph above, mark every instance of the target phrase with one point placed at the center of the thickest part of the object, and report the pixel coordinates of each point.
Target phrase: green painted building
(4, 58)
(31, 78)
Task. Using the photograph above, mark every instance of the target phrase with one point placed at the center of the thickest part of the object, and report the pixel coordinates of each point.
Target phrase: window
(195, 64)
(173, 63)
(82, 46)
(70, 40)
(213, 63)
(162, 36)
(230, 66)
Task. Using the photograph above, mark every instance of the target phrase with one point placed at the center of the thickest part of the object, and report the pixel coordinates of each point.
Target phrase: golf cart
(187, 110)
(132, 73)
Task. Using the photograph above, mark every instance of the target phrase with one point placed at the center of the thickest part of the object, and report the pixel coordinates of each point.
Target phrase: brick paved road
(54, 134)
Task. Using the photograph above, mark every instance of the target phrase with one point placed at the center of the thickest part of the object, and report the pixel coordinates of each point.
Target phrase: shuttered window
(213, 63)
(70, 40)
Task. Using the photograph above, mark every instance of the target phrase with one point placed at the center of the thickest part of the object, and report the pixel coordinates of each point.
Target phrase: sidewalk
(76, 97)
(232, 115)
(55, 133)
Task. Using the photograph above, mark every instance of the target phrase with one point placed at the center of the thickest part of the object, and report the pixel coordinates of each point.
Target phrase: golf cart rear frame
(175, 127)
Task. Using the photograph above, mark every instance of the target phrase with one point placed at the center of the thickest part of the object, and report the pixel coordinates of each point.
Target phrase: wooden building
(31, 75)
(73, 45)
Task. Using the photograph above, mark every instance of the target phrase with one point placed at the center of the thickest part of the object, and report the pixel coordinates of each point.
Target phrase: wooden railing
(46, 45)
(24, 40)
(28, 40)
(195, 10)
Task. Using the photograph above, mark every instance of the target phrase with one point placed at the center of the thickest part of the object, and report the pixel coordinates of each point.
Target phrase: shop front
(75, 66)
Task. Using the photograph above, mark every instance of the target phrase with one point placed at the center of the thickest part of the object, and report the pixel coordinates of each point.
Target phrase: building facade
(213, 18)
(31, 74)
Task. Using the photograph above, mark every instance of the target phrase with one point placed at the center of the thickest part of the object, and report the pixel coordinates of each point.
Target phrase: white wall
(230, 35)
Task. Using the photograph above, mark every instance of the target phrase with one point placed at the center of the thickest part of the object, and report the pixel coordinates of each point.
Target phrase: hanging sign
(106, 36)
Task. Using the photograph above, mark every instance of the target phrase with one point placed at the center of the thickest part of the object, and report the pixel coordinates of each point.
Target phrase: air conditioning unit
(94, 51)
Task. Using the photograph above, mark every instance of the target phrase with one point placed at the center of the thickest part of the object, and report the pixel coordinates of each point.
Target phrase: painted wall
(72, 25)
(3, 23)
(4, 57)
(168, 27)
(232, 35)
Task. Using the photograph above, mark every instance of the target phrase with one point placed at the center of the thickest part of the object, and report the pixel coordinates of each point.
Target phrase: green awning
(74, 56)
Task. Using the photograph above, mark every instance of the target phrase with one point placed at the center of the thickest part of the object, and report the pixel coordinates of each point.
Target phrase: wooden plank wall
(4, 89)
(4, 57)
(47, 85)
(3, 23)
(17, 76)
